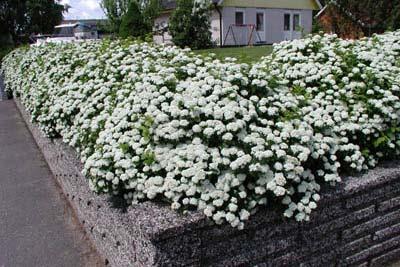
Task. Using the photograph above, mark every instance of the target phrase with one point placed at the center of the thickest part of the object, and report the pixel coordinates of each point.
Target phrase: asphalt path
(37, 226)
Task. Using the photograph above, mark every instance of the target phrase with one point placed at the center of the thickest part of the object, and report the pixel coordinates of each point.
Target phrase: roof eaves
(321, 11)
(319, 4)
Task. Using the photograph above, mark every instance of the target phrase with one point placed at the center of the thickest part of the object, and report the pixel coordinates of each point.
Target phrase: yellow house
(245, 22)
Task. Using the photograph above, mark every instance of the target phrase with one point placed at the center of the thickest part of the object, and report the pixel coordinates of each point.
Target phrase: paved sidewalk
(36, 224)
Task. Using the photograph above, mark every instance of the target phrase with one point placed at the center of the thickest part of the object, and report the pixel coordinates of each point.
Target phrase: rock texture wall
(3, 95)
(357, 224)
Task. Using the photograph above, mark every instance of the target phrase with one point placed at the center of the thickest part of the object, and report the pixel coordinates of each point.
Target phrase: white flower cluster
(157, 122)
(345, 97)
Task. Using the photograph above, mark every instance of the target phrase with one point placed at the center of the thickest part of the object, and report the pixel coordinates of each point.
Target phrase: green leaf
(149, 157)
(124, 147)
(380, 141)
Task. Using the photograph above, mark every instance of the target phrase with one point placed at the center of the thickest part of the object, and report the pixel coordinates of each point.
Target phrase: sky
(83, 9)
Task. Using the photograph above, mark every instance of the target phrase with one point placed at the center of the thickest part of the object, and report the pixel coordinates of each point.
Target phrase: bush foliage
(133, 23)
(156, 122)
(189, 25)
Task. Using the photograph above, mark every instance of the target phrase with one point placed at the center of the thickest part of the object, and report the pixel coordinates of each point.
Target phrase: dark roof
(90, 22)
(168, 4)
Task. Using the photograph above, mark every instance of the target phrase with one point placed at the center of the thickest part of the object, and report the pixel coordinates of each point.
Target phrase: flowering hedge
(155, 122)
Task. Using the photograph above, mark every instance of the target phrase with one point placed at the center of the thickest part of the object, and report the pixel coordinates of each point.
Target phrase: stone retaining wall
(356, 224)
(3, 94)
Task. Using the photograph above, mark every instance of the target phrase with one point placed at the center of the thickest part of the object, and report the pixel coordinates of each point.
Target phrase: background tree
(114, 10)
(370, 16)
(43, 15)
(151, 9)
(133, 23)
(25, 17)
(12, 17)
(190, 25)
(393, 22)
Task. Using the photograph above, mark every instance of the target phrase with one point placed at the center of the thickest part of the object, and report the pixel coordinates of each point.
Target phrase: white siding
(215, 27)
(273, 25)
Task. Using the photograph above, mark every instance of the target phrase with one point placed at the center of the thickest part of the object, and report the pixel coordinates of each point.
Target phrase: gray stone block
(373, 195)
(390, 244)
(363, 199)
(324, 259)
(385, 175)
(390, 231)
(326, 212)
(345, 221)
(389, 204)
(288, 259)
(386, 258)
(250, 258)
(355, 246)
(3, 95)
(370, 225)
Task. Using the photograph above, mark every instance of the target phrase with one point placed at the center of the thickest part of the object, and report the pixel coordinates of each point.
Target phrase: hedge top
(157, 122)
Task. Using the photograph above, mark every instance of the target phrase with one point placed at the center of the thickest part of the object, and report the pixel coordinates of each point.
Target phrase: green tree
(190, 25)
(114, 10)
(373, 16)
(10, 18)
(24, 17)
(151, 10)
(43, 15)
(133, 24)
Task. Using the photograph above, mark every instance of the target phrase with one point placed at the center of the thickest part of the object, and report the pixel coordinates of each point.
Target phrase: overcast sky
(83, 9)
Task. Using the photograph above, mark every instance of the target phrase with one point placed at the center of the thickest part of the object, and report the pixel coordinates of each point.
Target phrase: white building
(244, 22)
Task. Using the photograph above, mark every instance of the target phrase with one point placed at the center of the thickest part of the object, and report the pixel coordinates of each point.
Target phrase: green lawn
(243, 54)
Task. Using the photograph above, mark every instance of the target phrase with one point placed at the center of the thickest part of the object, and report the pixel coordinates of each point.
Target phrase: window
(239, 18)
(260, 22)
(296, 22)
(286, 25)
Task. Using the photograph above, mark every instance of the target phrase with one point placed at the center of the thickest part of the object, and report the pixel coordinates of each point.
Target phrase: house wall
(215, 27)
(273, 30)
(274, 24)
(293, 4)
